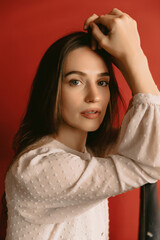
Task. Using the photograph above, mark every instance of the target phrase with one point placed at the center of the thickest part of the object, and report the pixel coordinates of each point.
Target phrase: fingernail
(85, 27)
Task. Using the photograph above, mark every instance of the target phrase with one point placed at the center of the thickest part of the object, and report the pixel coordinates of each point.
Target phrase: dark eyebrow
(84, 74)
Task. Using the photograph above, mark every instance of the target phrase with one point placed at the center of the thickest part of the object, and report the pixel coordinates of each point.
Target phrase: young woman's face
(85, 90)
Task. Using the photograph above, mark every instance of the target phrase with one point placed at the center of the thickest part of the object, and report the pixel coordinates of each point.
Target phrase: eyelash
(106, 83)
(71, 82)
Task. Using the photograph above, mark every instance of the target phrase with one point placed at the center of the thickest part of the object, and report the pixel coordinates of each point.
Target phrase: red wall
(27, 29)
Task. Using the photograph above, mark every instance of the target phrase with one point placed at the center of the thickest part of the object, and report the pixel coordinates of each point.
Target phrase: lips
(91, 113)
(91, 110)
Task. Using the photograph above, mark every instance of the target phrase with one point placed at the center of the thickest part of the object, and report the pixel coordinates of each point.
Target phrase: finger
(89, 20)
(93, 43)
(116, 11)
(96, 32)
(102, 39)
(105, 20)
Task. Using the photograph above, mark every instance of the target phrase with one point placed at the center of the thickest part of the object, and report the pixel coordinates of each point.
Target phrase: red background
(27, 30)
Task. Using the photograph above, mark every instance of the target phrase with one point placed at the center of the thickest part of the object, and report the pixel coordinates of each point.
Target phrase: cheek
(69, 102)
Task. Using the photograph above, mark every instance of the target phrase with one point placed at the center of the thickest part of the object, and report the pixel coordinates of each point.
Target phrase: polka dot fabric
(54, 192)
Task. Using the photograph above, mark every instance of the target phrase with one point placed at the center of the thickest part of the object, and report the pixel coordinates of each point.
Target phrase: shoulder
(40, 149)
(47, 155)
(44, 162)
(38, 155)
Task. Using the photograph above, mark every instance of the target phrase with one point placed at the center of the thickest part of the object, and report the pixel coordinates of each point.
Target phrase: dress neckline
(85, 154)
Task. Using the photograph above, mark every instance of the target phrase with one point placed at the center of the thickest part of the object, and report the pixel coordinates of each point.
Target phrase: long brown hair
(43, 113)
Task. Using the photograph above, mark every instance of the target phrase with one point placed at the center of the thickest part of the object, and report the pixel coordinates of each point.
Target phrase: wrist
(136, 71)
(133, 59)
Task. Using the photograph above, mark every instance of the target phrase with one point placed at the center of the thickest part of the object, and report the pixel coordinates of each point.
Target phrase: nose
(92, 94)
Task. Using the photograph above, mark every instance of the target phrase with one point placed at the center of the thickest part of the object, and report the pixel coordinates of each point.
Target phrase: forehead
(84, 59)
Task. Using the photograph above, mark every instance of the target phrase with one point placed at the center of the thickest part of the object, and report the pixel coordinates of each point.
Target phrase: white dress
(56, 193)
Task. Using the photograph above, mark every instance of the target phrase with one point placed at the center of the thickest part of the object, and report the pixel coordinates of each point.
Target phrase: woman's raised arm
(123, 43)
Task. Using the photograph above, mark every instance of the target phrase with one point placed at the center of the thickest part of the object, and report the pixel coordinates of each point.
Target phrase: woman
(58, 184)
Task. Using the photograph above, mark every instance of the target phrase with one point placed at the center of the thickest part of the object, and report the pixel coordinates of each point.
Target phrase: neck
(73, 138)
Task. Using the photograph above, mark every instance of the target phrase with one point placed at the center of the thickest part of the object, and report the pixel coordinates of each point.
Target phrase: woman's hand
(117, 33)
(122, 40)
(86, 26)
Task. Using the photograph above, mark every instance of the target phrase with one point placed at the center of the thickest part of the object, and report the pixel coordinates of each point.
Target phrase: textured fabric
(54, 192)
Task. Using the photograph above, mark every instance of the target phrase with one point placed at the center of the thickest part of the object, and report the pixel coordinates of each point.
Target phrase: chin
(91, 128)
(83, 126)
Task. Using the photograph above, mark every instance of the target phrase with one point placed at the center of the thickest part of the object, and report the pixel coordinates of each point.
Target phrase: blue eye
(103, 83)
(74, 82)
